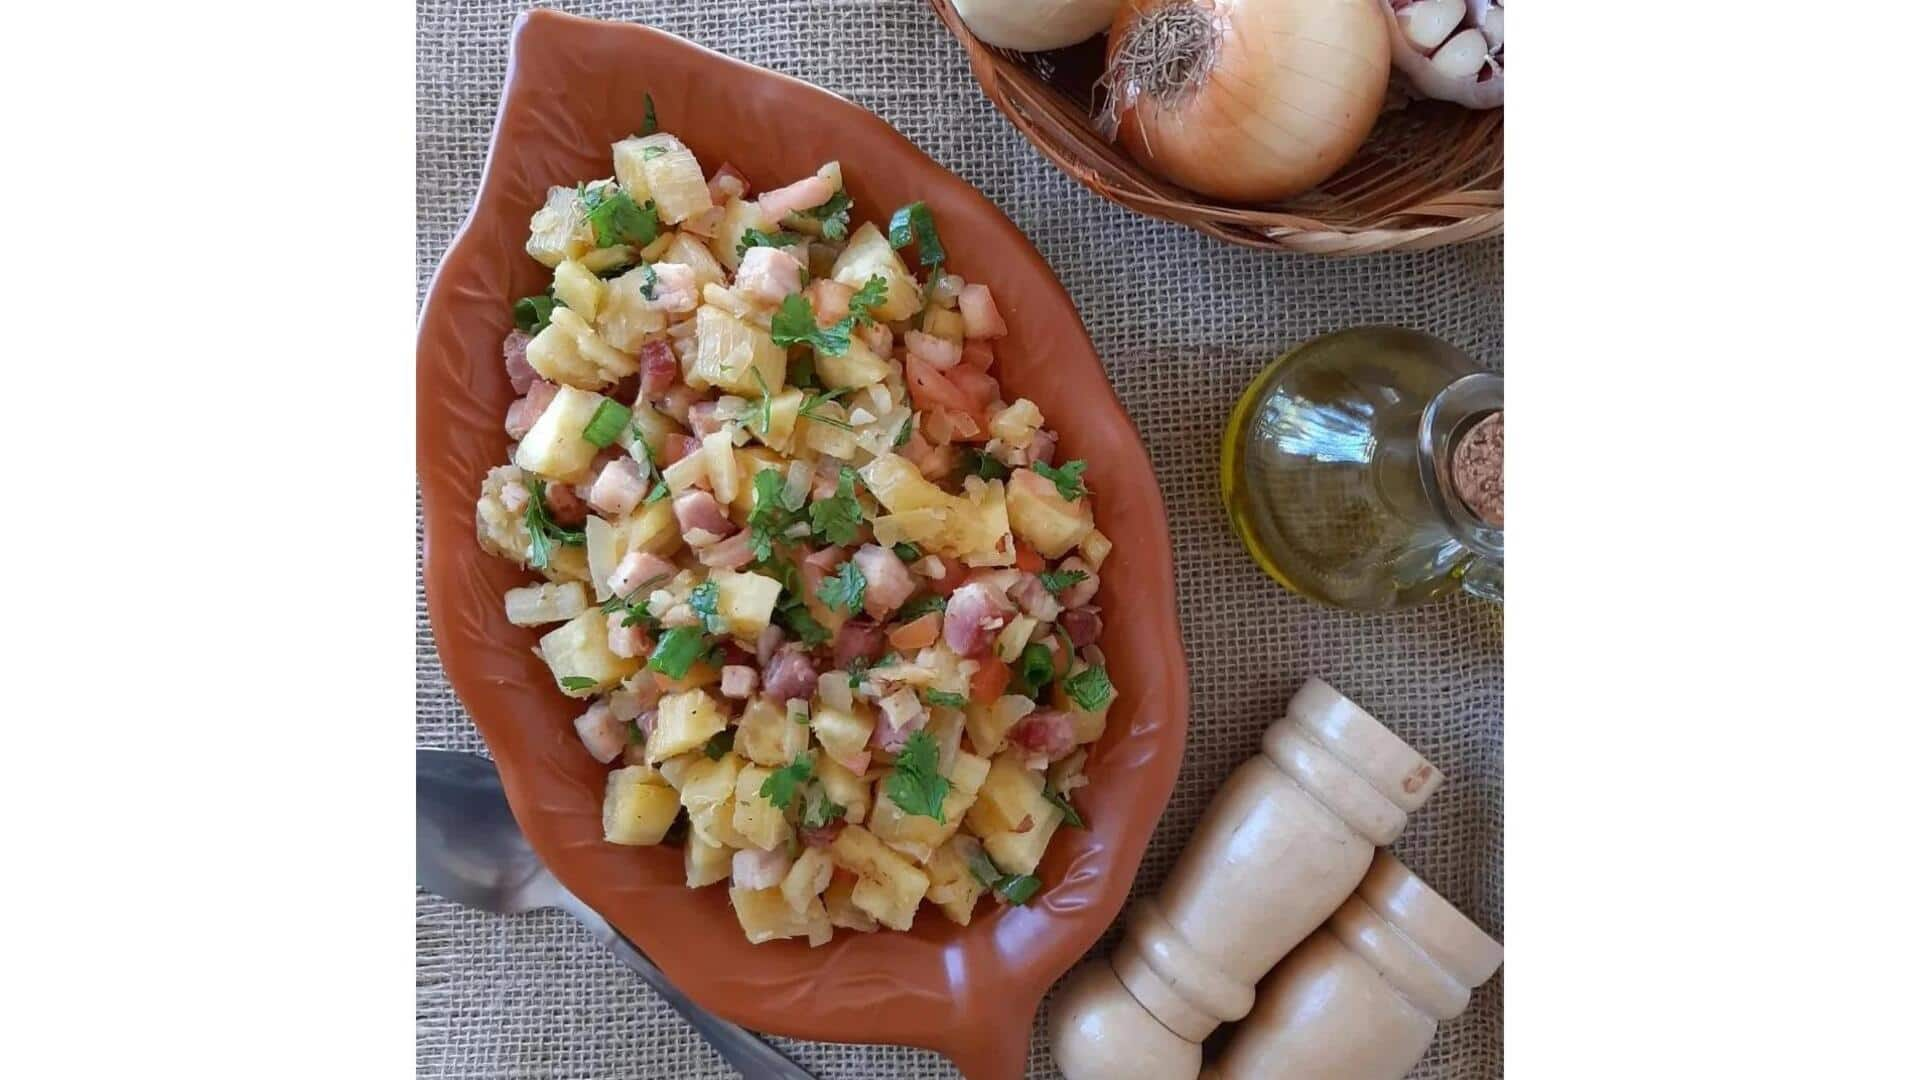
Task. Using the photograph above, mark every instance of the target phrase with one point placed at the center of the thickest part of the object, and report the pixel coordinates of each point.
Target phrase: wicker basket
(1429, 174)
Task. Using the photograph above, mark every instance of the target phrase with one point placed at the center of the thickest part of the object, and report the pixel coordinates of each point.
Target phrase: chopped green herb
(906, 432)
(1090, 689)
(676, 652)
(915, 785)
(579, 682)
(1066, 478)
(985, 465)
(620, 269)
(609, 420)
(617, 219)
(982, 866)
(946, 698)
(659, 492)
(770, 516)
(780, 787)
(857, 671)
(845, 589)
(838, 518)
(1059, 581)
(810, 408)
(762, 417)
(649, 279)
(649, 123)
(908, 552)
(920, 605)
(705, 602)
(719, 745)
(1067, 813)
(801, 373)
(868, 296)
(793, 324)
(832, 216)
(1017, 888)
(1035, 667)
(820, 811)
(635, 737)
(801, 624)
(532, 313)
(543, 534)
(753, 238)
(650, 152)
(913, 223)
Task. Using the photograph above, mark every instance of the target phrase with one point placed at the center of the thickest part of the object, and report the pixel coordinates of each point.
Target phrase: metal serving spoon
(469, 849)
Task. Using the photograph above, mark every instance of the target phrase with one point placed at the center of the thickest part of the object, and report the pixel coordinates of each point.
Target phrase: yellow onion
(1245, 100)
(1035, 25)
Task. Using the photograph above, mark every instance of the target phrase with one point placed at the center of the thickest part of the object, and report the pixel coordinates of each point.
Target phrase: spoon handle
(750, 1055)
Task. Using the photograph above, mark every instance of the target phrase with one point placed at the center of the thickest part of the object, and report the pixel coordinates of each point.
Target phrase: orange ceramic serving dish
(573, 87)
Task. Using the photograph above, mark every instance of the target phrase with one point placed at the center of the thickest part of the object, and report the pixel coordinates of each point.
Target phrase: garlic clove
(1463, 56)
(1491, 17)
(1426, 23)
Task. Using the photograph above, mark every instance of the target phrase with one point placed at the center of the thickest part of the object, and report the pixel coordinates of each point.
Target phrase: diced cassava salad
(817, 582)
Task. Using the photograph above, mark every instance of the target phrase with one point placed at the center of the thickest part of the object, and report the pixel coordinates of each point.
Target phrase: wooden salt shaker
(1361, 998)
(1286, 839)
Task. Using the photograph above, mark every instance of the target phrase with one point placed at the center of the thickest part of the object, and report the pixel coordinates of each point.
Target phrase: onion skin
(1292, 91)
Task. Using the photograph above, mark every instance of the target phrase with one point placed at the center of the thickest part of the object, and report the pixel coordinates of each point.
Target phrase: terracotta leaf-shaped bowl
(574, 86)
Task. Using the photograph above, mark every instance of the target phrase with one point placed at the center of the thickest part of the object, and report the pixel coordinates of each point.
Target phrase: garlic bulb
(1454, 50)
(1035, 25)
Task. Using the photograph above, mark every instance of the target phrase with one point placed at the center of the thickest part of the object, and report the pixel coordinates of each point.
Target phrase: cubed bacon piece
(978, 313)
(756, 869)
(767, 274)
(829, 299)
(1048, 732)
(888, 581)
(790, 675)
(658, 369)
(975, 613)
(799, 195)
(938, 351)
(737, 681)
(1034, 599)
(638, 568)
(858, 639)
(675, 288)
(1082, 626)
(519, 372)
(603, 734)
(678, 399)
(619, 488)
(676, 446)
(732, 553)
(1080, 593)
(627, 642)
(727, 183)
(704, 418)
(522, 414)
(1042, 447)
(565, 507)
(699, 512)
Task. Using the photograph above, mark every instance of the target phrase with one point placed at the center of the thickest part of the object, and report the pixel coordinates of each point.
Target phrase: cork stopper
(1479, 469)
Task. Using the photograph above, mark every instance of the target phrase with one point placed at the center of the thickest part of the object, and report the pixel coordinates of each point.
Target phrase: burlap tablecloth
(1183, 322)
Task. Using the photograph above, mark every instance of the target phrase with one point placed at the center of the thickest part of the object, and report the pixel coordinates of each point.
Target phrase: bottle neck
(1444, 424)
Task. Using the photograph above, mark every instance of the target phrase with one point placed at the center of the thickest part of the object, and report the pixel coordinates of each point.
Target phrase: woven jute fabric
(1183, 323)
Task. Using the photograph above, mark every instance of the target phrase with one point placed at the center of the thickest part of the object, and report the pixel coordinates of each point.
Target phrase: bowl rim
(978, 1030)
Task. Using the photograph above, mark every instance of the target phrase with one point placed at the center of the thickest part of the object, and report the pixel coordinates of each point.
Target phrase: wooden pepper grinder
(1361, 998)
(1287, 838)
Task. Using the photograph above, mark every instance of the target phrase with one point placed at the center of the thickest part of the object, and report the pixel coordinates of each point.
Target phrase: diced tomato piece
(977, 354)
(980, 388)
(991, 680)
(1025, 558)
(931, 389)
(917, 634)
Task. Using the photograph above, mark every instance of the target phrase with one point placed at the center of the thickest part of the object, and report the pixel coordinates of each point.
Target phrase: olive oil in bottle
(1362, 470)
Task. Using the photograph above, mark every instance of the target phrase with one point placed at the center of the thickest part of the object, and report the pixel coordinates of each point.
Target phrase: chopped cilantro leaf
(651, 152)
(1090, 689)
(578, 682)
(915, 785)
(908, 552)
(845, 589)
(617, 219)
(532, 313)
(649, 278)
(1059, 581)
(793, 324)
(864, 299)
(802, 625)
(832, 216)
(780, 787)
(920, 605)
(985, 465)
(810, 408)
(839, 518)
(770, 516)
(1066, 478)
(705, 602)
(753, 238)
(913, 223)
(676, 652)
(820, 811)
(542, 533)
